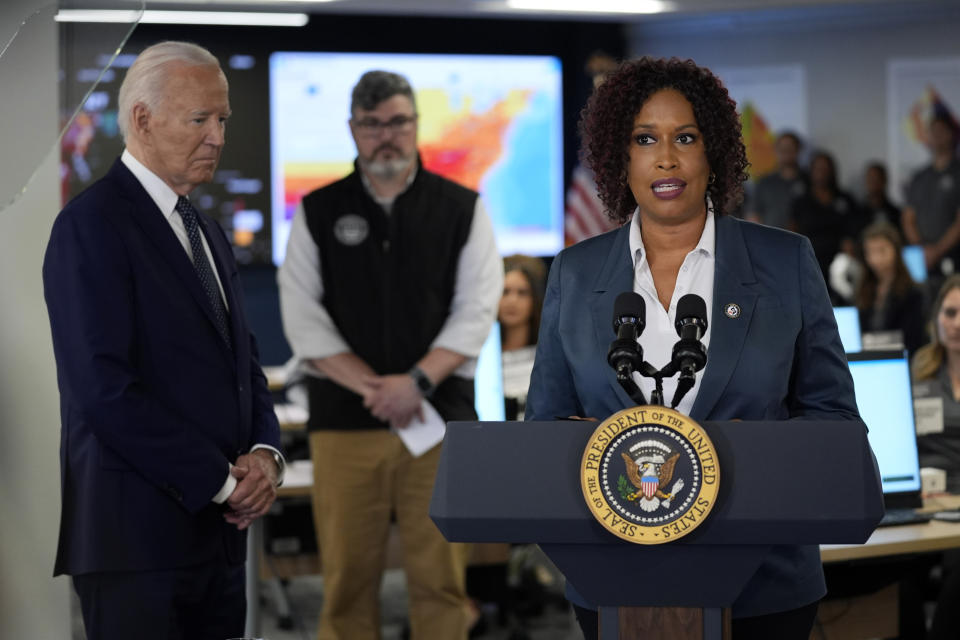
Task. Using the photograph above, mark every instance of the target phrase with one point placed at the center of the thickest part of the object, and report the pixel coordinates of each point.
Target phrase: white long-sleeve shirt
(312, 333)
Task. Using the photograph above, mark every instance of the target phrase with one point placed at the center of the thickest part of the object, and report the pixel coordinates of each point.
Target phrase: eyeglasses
(371, 127)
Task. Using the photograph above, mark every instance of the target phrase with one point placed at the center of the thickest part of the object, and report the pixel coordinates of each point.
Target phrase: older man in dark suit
(169, 443)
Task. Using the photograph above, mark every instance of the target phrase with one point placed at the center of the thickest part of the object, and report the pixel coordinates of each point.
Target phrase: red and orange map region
(462, 145)
(456, 143)
(300, 178)
(759, 140)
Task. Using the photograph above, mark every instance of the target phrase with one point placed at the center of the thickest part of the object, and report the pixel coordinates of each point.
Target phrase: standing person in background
(887, 297)
(775, 192)
(830, 219)
(169, 439)
(931, 216)
(388, 292)
(876, 205)
(524, 282)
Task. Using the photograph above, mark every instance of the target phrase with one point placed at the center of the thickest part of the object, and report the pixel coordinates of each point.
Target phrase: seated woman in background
(524, 283)
(515, 597)
(936, 373)
(887, 297)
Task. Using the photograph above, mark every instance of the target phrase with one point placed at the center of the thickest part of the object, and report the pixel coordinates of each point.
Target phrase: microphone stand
(633, 390)
(625, 378)
(657, 396)
(684, 384)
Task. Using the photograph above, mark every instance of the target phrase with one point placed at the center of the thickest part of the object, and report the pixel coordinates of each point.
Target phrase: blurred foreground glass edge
(33, 141)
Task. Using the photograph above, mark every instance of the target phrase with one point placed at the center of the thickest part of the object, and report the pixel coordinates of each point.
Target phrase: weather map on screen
(492, 123)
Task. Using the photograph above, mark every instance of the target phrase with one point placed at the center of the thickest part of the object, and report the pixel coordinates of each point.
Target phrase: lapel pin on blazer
(732, 310)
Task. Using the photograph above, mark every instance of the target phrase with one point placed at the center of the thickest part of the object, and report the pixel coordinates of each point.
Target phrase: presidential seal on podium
(649, 474)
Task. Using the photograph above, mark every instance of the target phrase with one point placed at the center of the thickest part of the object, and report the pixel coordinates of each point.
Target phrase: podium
(796, 482)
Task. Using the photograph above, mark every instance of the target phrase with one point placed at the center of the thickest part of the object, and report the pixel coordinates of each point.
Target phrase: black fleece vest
(388, 281)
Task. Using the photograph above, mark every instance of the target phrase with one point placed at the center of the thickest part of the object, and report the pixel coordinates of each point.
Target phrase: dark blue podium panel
(666, 575)
(788, 482)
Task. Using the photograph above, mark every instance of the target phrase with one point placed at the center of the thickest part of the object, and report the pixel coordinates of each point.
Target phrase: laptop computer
(881, 380)
(916, 262)
(488, 379)
(848, 324)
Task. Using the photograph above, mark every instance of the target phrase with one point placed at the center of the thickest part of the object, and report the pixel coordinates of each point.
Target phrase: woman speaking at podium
(663, 139)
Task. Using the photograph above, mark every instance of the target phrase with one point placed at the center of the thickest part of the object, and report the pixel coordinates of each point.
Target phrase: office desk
(297, 482)
(276, 377)
(875, 615)
(930, 536)
(892, 541)
(292, 417)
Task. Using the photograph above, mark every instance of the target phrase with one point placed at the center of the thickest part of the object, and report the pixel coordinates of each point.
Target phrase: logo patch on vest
(351, 229)
(649, 475)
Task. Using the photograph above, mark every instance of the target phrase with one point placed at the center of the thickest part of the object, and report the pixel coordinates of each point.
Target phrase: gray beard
(386, 169)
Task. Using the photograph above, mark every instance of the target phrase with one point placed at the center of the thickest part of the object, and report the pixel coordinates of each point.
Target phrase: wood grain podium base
(664, 623)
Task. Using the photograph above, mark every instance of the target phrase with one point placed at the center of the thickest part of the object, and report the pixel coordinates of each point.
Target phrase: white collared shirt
(166, 200)
(657, 340)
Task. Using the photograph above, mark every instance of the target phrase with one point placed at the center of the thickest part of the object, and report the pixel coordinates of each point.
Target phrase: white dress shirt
(695, 276)
(312, 333)
(166, 200)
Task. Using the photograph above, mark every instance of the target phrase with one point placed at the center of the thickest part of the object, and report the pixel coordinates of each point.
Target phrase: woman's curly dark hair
(608, 118)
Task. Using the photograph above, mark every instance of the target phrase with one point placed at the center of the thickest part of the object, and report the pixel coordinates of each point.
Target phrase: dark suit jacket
(153, 403)
(781, 358)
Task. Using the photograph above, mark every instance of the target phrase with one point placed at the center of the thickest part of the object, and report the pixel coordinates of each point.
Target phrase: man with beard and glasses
(388, 291)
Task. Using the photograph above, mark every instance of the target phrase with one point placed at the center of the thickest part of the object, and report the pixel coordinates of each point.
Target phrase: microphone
(629, 319)
(689, 355)
(625, 354)
(691, 325)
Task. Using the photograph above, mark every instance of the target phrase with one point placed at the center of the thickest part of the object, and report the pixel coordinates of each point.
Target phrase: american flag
(584, 217)
(649, 484)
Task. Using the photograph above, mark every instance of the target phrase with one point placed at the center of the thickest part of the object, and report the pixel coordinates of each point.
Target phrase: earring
(712, 179)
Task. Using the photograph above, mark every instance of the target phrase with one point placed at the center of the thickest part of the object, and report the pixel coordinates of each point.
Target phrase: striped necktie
(208, 280)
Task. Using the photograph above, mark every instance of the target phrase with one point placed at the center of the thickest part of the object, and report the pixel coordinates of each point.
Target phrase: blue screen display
(886, 405)
(488, 380)
(915, 261)
(848, 323)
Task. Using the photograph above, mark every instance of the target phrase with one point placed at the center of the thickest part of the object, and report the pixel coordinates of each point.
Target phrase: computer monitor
(916, 262)
(488, 379)
(493, 123)
(881, 380)
(848, 323)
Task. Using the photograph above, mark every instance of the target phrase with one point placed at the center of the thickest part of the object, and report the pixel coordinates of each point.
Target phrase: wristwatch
(281, 464)
(422, 381)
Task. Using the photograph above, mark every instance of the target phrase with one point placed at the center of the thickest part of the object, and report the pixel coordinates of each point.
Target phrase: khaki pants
(359, 478)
